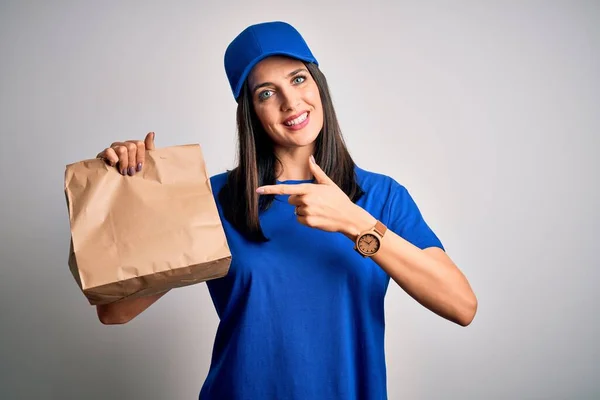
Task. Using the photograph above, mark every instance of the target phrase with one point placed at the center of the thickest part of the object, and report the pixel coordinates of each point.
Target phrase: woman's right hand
(128, 156)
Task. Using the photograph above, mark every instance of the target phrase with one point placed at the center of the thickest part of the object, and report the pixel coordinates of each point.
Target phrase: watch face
(368, 244)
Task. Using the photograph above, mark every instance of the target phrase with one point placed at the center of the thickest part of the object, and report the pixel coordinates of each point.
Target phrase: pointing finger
(302, 188)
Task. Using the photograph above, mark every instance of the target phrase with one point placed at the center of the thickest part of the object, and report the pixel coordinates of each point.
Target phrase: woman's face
(287, 101)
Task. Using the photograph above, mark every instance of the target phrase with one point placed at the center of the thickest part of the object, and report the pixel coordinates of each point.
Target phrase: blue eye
(299, 79)
(265, 94)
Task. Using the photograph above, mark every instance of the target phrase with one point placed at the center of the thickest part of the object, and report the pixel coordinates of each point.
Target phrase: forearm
(436, 284)
(124, 311)
(428, 276)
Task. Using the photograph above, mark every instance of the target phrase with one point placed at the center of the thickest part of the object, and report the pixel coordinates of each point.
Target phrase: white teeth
(298, 120)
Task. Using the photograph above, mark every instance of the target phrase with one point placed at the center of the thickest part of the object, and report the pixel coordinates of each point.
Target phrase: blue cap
(258, 42)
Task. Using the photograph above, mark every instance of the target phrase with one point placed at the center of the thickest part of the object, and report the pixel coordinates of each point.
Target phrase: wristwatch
(368, 242)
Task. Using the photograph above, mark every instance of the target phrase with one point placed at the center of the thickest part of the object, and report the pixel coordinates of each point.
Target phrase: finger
(131, 157)
(109, 156)
(300, 189)
(140, 154)
(149, 141)
(307, 220)
(320, 175)
(299, 211)
(123, 155)
(296, 200)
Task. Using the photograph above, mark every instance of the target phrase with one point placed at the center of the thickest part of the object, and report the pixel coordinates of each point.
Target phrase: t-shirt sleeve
(405, 219)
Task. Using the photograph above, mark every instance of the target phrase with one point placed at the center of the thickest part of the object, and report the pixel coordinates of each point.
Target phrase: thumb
(318, 173)
(149, 141)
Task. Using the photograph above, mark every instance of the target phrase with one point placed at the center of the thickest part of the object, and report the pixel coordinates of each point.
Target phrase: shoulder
(384, 193)
(396, 207)
(218, 181)
(374, 182)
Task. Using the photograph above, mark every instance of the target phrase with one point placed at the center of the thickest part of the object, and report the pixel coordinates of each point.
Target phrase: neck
(294, 163)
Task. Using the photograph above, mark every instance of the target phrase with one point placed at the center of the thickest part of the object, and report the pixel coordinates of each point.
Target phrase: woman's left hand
(323, 205)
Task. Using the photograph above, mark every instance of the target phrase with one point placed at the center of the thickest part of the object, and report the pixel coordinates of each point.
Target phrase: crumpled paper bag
(139, 235)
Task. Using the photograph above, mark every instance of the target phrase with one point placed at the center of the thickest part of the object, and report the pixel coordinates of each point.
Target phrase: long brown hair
(257, 162)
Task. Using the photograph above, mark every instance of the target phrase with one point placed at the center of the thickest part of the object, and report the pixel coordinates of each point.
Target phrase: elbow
(108, 318)
(112, 321)
(467, 312)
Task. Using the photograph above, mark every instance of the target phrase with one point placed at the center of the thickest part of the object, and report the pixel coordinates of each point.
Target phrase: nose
(290, 99)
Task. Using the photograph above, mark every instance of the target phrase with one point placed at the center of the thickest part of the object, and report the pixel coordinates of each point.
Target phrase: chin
(303, 139)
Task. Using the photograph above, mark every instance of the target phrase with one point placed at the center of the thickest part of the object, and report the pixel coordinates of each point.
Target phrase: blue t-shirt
(302, 316)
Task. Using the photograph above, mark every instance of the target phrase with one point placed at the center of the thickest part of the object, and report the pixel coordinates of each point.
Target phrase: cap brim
(252, 64)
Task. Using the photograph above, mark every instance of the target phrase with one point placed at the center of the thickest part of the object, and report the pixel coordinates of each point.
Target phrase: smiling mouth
(298, 120)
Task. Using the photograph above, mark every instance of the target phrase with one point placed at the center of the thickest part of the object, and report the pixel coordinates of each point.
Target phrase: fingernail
(312, 159)
(124, 171)
(260, 190)
(131, 171)
(139, 167)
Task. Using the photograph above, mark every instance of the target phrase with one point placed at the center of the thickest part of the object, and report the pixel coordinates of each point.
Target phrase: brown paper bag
(139, 235)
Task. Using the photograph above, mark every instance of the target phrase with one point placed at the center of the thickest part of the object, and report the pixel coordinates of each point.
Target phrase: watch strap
(380, 228)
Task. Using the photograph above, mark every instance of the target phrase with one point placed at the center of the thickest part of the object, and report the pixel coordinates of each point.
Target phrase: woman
(314, 240)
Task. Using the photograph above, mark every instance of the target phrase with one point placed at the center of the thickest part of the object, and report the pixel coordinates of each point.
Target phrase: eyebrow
(255, 88)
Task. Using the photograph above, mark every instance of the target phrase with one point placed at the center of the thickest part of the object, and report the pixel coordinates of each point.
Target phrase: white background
(487, 111)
